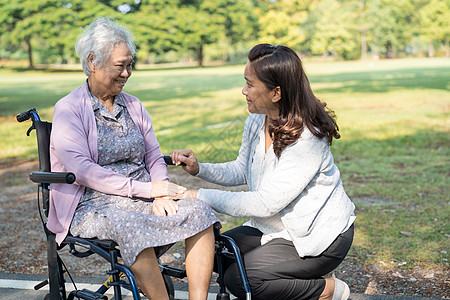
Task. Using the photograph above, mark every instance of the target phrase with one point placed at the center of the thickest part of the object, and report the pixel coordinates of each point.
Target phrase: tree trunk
(389, 50)
(363, 44)
(363, 30)
(430, 50)
(30, 53)
(200, 55)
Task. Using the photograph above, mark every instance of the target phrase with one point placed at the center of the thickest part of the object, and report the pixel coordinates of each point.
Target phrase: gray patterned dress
(130, 222)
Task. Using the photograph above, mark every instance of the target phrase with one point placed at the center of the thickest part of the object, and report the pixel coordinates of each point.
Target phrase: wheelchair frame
(107, 249)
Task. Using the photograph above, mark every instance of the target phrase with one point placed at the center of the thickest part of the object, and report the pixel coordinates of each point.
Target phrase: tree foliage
(49, 25)
(211, 21)
(282, 23)
(335, 31)
(391, 26)
(167, 30)
(435, 22)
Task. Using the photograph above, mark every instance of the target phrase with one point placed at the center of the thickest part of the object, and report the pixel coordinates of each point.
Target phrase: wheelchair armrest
(52, 177)
(169, 162)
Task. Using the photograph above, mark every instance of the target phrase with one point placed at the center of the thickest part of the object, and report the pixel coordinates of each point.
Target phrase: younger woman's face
(260, 99)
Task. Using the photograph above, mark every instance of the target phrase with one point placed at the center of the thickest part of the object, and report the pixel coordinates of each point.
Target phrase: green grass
(393, 154)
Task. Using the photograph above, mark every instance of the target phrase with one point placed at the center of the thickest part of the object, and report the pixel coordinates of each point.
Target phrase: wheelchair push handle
(29, 114)
(52, 177)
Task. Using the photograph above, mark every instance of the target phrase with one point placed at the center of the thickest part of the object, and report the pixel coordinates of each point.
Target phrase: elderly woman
(301, 219)
(122, 192)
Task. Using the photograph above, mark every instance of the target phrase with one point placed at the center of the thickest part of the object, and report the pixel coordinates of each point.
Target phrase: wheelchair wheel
(169, 286)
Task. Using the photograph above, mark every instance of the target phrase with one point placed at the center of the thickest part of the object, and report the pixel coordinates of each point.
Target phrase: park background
(43, 31)
(383, 66)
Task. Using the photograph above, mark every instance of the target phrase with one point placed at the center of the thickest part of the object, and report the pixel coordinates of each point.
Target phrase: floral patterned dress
(128, 221)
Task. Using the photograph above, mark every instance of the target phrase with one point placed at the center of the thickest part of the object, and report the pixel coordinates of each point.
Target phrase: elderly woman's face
(109, 79)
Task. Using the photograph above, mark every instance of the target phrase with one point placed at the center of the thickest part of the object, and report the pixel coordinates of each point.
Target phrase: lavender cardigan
(73, 148)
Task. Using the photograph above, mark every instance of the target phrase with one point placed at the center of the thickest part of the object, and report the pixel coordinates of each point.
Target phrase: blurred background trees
(44, 31)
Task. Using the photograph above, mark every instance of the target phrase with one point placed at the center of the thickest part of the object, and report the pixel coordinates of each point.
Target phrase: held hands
(166, 206)
(165, 194)
(166, 189)
(187, 157)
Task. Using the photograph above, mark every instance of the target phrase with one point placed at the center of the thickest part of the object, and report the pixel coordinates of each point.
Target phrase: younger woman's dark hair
(298, 107)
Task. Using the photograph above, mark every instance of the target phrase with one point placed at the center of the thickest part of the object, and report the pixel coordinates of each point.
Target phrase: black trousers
(275, 270)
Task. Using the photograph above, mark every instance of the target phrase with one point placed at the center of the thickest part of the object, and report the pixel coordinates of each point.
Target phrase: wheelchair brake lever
(30, 129)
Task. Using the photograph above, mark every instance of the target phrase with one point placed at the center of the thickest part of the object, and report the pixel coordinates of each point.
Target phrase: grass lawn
(393, 154)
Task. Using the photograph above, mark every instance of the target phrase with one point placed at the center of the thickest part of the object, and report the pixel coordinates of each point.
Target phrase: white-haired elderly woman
(122, 192)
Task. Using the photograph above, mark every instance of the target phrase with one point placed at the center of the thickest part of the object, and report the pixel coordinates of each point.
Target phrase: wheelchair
(119, 276)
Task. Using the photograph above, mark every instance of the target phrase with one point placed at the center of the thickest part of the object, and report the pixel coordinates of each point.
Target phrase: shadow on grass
(374, 81)
(408, 145)
(407, 171)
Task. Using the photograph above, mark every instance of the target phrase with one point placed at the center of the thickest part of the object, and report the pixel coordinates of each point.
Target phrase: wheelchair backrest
(43, 130)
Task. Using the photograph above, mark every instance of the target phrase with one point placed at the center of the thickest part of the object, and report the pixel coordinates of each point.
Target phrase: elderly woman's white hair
(99, 38)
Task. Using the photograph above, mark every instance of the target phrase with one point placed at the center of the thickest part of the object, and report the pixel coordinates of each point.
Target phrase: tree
(216, 20)
(390, 25)
(240, 23)
(435, 23)
(362, 28)
(47, 24)
(187, 25)
(154, 25)
(199, 28)
(23, 21)
(282, 23)
(335, 30)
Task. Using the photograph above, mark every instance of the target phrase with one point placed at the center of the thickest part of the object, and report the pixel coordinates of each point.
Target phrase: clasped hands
(166, 193)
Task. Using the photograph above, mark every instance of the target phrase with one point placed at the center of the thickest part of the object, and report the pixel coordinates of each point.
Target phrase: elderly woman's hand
(166, 189)
(164, 207)
(187, 157)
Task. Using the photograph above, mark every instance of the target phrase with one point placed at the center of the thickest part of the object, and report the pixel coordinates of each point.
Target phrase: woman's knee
(207, 233)
(233, 282)
(203, 239)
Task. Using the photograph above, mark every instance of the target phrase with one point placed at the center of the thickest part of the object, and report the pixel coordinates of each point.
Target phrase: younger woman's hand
(166, 189)
(187, 157)
(164, 207)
